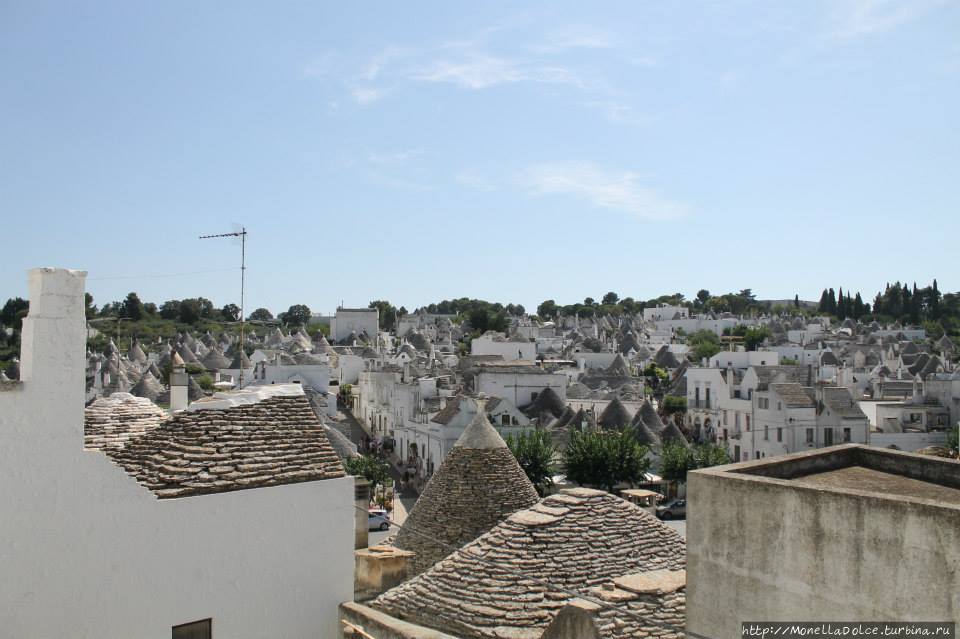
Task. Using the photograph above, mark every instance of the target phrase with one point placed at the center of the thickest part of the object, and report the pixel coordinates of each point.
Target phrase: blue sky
(422, 151)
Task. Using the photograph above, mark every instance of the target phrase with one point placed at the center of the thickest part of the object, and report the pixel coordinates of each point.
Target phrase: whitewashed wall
(85, 551)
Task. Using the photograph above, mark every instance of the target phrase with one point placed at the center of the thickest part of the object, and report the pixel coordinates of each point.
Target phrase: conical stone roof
(240, 360)
(547, 402)
(478, 485)
(215, 360)
(650, 417)
(671, 433)
(643, 433)
(148, 387)
(136, 353)
(615, 415)
(513, 580)
(619, 367)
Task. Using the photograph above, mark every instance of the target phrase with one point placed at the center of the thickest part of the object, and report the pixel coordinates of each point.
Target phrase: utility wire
(547, 584)
(160, 275)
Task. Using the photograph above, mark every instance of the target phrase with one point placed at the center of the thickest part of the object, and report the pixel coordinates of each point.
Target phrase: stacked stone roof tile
(112, 422)
(513, 580)
(276, 440)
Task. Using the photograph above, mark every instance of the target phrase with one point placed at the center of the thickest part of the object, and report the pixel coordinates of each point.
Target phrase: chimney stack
(178, 384)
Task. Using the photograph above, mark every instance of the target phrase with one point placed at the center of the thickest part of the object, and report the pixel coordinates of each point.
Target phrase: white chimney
(178, 384)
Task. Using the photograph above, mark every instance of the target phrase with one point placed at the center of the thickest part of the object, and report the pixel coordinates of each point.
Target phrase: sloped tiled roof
(840, 402)
(248, 439)
(512, 581)
(111, 422)
(792, 394)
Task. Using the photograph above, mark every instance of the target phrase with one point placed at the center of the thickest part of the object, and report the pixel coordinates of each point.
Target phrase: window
(533, 397)
(828, 437)
(748, 421)
(724, 434)
(779, 434)
(736, 420)
(809, 435)
(194, 630)
(725, 418)
(846, 434)
(505, 419)
(779, 406)
(766, 432)
(757, 453)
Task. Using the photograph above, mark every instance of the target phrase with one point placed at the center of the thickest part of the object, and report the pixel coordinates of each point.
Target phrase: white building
(518, 383)
(665, 312)
(349, 321)
(510, 349)
(87, 550)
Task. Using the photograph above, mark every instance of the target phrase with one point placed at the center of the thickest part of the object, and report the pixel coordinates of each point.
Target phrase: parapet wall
(770, 549)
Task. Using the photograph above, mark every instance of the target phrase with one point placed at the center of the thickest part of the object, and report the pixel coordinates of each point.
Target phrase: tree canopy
(676, 459)
(605, 458)
(534, 452)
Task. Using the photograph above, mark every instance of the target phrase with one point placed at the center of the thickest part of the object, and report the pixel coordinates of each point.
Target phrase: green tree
(534, 452)
(547, 309)
(190, 311)
(677, 459)
(388, 314)
(605, 458)
(673, 404)
(610, 298)
(755, 336)
(90, 309)
(13, 312)
(375, 471)
(298, 314)
(261, 315)
(132, 307)
(953, 440)
(704, 344)
(170, 310)
(230, 313)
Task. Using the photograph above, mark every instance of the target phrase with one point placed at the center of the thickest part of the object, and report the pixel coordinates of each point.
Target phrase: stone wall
(765, 548)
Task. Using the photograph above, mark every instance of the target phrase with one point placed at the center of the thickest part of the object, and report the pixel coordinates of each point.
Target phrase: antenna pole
(242, 234)
(243, 273)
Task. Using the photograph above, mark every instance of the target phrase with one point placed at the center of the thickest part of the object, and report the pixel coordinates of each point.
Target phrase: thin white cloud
(574, 38)
(393, 157)
(481, 71)
(856, 18)
(619, 191)
(367, 95)
(618, 112)
(474, 180)
(377, 63)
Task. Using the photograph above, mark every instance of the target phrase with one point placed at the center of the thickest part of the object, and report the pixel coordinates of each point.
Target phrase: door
(828, 437)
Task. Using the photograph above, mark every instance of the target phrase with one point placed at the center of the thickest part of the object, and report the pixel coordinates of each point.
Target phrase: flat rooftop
(856, 468)
(868, 479)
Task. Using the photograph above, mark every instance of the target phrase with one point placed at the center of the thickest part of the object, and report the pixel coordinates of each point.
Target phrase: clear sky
(422, 151)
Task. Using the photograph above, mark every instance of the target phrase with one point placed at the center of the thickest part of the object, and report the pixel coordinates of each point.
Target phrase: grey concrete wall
(764, 549)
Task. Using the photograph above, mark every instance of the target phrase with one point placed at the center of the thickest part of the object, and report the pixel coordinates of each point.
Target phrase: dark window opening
(194, 630)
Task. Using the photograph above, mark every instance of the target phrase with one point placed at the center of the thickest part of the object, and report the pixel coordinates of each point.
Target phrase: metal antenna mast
(242, 234)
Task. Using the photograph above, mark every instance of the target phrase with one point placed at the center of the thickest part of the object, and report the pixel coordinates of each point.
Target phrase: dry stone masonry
(277, 440)
(512, 581)
(478, 485)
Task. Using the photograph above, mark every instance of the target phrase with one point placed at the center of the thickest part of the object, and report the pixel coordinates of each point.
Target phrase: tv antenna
(239, 232)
